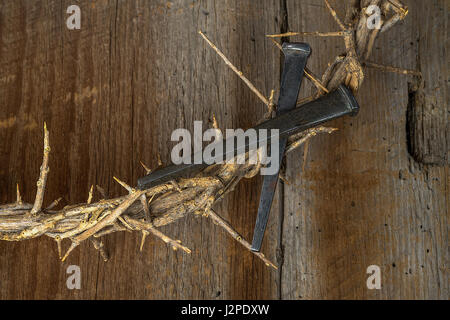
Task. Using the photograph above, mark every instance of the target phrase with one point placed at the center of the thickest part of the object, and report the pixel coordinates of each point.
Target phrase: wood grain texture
(359, 198)
(428, 109)
(111, 94)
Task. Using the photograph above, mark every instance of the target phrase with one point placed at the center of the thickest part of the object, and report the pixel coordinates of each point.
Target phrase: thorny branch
(147, 210)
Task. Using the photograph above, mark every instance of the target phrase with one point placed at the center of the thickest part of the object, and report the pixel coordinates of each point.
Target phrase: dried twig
(335, 16)
(315, 81)
(43, 175)
(236, 236)
(271, 106)
(124, 185)
(315, 33)
(392, 69)
(236, 70)
(298, 141)
(147, 169)
(142, 225)
(308, 73)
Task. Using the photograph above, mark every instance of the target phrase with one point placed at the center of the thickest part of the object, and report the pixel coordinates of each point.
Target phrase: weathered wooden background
(375, 192)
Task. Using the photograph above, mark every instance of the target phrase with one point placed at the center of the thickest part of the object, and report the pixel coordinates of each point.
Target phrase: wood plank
(428, 108)
(111, 94)
(357, 198)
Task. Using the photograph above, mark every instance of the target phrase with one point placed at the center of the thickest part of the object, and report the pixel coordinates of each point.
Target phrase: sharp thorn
(123, 184)
(58, 244)
(125, 223)
(72, 246)
(91, 195)
(160, 164)
(19, 197)
(214, 122)
(144, 235)
(147, 169)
